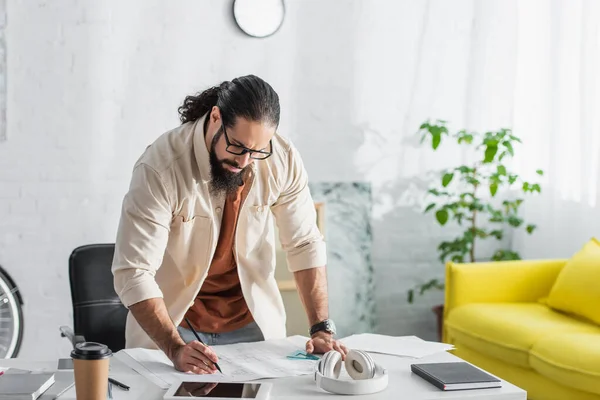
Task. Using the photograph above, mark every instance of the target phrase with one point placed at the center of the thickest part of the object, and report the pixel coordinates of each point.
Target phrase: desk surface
(403, 384)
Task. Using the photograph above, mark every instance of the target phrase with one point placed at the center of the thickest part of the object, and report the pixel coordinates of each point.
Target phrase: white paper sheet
(407, 346)
(239, 362)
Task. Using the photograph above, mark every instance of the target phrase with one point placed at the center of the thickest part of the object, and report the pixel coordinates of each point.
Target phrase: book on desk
(25, 385)
(455, 376)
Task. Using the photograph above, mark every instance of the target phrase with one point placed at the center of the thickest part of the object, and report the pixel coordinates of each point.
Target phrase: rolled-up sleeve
(296, 219)
(141, 237)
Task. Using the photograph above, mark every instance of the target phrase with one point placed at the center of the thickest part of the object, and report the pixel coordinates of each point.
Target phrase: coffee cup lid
(90, 351)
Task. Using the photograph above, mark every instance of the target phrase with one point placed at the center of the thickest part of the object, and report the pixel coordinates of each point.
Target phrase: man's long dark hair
(248, 96)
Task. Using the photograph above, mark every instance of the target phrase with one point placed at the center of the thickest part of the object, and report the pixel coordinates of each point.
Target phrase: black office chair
(98, 314)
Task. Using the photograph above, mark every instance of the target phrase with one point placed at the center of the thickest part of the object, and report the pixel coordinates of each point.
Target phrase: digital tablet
(219, 390)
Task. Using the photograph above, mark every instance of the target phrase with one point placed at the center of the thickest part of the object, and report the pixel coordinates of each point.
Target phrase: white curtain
(557, 113)
(533, 66)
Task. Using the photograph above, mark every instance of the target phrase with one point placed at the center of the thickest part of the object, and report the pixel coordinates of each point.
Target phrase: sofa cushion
(577, 287)
(507, 331)
(572, 359)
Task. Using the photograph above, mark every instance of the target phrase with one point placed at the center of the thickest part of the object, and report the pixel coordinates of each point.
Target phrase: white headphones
(367, 377)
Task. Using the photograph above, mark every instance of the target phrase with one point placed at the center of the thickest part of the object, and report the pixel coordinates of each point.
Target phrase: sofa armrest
(499, 281)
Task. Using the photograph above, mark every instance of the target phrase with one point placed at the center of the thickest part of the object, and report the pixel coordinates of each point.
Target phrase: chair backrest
(98, 313)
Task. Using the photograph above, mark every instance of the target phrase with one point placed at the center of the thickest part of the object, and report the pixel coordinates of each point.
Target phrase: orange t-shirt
(220, 305)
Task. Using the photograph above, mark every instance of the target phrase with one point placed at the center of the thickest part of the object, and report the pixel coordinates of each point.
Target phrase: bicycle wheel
(11, 317)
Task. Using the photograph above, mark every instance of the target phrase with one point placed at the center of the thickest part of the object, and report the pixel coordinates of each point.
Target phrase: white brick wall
(90, 84)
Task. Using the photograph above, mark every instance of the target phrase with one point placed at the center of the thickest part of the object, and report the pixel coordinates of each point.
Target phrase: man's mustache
(232, 163)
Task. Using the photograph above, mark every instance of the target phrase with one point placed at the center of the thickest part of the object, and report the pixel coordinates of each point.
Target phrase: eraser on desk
(302, 355)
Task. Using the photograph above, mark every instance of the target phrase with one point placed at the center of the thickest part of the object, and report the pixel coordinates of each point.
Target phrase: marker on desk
(200, 340)
(119, 384)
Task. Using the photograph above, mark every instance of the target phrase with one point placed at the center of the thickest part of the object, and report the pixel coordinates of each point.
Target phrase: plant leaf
(490, 153)
(530, 228)
(514, 221)
(429, 207)
(463, 169)
(447, 178)
(516, 139)
(480, 233)
(498, 234)
(501, 170)
(457, 258)
(493, 189)
(539, 172)
(505, 255)
(472, 181)
(442, 216)
(509, 147)
(436, 139)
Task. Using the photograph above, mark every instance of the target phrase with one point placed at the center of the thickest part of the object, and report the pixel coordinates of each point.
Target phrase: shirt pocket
(189, 246)
(256, 230)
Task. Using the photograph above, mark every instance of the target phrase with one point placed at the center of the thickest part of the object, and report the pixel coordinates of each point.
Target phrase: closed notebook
(22, 386)
(455, 376)
(63, 381)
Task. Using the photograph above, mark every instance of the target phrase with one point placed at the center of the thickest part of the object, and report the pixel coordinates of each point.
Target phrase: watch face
(330, 326)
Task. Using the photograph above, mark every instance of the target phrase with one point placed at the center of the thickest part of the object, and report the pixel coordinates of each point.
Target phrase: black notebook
(455, 376)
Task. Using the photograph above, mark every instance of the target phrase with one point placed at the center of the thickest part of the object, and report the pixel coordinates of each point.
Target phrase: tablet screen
(221, 389)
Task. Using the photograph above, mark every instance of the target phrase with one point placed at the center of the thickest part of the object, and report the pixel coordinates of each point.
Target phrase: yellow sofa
(509, 318)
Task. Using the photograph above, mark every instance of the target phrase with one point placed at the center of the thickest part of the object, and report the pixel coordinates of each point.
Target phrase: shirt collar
(200, 150)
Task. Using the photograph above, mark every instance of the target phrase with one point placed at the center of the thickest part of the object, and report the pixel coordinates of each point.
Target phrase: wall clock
(259, 18)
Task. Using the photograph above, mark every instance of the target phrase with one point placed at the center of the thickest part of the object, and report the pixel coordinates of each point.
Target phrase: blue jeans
(248, 333)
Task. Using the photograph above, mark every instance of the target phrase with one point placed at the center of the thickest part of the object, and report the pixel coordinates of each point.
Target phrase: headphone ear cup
(331, 364)
(360, 365)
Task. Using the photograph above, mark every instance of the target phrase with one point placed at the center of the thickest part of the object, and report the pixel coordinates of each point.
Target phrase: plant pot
(439, 312)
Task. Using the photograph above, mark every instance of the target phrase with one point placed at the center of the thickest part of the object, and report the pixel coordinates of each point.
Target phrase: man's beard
(223, 180)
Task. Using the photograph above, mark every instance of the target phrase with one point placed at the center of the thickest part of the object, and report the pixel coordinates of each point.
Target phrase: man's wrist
(174, 348)
(325, 326)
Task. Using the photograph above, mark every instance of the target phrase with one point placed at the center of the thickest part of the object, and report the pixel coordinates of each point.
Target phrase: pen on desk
(119, 384)
(200, 340)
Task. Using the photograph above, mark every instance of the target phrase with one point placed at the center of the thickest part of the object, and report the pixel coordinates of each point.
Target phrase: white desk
(403, 384)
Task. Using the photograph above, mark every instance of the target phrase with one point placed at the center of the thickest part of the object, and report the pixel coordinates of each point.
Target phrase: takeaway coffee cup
(90, 364)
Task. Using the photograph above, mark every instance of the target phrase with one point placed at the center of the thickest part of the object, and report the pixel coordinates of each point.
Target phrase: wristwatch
(325, 326)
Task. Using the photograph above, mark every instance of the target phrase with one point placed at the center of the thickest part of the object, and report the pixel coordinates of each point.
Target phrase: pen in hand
(200, 340)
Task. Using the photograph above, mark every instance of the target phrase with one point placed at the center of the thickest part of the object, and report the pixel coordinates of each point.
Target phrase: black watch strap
(323, 326)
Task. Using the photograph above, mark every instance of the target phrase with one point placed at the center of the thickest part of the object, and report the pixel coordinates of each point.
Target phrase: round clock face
(259, 18)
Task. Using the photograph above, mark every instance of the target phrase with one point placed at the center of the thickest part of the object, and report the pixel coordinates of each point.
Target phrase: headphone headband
(356, 386)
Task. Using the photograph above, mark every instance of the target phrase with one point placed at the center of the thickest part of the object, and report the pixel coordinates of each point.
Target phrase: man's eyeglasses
(241, 150)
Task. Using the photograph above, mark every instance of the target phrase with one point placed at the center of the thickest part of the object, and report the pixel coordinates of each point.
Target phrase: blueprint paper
(239, 362)
(407, 346)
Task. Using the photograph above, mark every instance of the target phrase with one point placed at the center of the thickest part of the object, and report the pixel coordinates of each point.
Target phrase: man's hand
(195, 357)
(322, 342)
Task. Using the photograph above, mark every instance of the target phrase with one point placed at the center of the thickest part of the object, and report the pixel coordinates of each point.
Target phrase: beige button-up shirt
(170, 225)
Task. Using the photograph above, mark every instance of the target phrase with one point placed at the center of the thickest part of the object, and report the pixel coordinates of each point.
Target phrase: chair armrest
(499, 281)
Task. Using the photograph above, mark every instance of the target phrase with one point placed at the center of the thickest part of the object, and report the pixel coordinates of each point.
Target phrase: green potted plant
(469, 195)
